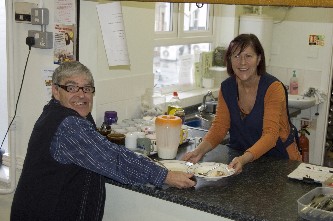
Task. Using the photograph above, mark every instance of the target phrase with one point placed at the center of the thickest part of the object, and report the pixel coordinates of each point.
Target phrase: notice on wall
(317, 40)
(64, 43)
(47, 77)
(65, 11)
(112, 25)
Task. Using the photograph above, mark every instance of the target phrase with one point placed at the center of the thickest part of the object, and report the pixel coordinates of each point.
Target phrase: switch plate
(43, 39)
(39, 16)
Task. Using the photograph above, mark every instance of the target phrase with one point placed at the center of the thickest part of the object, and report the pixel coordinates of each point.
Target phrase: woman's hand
(237, 165)
(195, 155)
(238, 162)
(180, 179)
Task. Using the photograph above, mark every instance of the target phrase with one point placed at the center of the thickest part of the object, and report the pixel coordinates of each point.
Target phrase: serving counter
(262, 192)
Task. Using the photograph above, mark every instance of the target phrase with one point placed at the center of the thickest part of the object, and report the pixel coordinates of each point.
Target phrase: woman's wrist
(246, 158)
(203, 148)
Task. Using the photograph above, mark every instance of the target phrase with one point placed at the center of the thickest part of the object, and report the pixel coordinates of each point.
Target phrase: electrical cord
(29, 41)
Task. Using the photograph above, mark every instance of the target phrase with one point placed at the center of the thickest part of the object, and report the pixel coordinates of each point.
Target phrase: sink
(300, 101)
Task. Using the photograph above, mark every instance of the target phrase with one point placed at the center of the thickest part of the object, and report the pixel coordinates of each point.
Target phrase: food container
(310, 212)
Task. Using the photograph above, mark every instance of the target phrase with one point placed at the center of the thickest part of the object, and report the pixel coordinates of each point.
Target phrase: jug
(167, 135)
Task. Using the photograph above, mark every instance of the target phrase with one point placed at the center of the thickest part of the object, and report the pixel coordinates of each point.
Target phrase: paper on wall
(64, 43)
(65, 11)
(113, 32)
(47, 77)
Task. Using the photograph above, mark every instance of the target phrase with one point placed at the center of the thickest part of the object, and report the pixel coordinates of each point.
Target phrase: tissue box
(309, 212)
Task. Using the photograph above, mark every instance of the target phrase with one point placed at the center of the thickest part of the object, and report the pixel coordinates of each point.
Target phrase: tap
(310, 93)
(203, 105)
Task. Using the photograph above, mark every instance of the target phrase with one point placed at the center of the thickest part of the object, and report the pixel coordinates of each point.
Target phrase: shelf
(217, 68)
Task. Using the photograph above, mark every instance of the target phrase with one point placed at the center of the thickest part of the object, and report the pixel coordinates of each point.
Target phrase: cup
(117, 138)
(140, 134)
(152, 138)
(145, 145)
(120, 131)
(131, 140)
(131, 129)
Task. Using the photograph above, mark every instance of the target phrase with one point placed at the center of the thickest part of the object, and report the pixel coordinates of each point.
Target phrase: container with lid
(110, 117)
(167, 135)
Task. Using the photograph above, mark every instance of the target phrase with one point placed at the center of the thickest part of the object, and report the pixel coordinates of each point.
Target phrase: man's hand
(179, 179)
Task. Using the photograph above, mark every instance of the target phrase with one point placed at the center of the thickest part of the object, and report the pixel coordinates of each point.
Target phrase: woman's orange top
(275, 123)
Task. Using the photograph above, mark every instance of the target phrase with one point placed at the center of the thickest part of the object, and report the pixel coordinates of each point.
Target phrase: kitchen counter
(261, 192)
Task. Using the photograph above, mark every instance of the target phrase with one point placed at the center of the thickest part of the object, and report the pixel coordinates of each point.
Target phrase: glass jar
(110, 117)
(152, 103)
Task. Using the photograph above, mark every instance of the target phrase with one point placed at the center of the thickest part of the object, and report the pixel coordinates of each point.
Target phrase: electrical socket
(43, 39)
(39, 16)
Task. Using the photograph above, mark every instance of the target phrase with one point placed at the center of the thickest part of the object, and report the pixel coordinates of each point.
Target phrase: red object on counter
(304, 145)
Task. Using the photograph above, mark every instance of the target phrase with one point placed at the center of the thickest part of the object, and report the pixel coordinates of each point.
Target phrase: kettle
(167, 129)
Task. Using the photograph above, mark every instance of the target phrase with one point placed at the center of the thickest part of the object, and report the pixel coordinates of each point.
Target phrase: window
(3, 76)
(182, 32)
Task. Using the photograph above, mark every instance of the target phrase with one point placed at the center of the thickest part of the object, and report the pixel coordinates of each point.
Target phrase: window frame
(179, 37)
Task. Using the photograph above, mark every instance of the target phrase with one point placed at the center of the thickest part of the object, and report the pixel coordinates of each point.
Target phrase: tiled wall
(306, 78)
(122, 95)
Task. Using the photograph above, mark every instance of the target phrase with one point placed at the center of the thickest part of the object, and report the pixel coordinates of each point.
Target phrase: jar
(110, 117)
(152, 103)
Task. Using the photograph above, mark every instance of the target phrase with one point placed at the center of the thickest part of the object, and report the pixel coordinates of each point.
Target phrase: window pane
(173, 65)
(163, 16)
(196, 19)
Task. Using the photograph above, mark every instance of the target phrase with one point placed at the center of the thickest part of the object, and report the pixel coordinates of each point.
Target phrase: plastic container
(309, 212)
(293, 87)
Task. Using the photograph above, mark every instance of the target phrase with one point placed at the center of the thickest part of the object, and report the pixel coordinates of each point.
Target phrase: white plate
(176, 165)
(215, 171)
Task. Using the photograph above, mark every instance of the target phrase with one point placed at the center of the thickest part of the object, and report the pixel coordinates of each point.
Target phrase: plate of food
(211, 171)
(175, 165)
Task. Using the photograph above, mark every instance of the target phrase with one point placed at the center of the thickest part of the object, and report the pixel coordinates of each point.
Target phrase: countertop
(261, 192)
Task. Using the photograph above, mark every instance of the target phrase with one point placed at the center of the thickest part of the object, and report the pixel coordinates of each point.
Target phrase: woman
(252, 106)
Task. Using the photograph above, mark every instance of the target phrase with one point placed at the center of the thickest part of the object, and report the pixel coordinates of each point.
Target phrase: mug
(120, 131)
(146, 145)
(130, 140)
(152, 138)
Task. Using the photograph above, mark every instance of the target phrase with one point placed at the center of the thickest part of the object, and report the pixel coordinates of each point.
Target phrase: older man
(67, 159)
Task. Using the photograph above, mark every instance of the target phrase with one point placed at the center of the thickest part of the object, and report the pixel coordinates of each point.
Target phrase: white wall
(313, 64)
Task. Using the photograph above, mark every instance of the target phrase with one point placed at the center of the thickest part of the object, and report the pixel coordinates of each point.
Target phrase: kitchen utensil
(210, 170)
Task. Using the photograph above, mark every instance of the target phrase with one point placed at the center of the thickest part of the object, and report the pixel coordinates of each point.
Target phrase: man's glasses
(74, 89)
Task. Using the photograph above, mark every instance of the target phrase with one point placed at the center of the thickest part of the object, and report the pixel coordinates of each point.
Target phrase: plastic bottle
(174, 104)
(293, 87)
